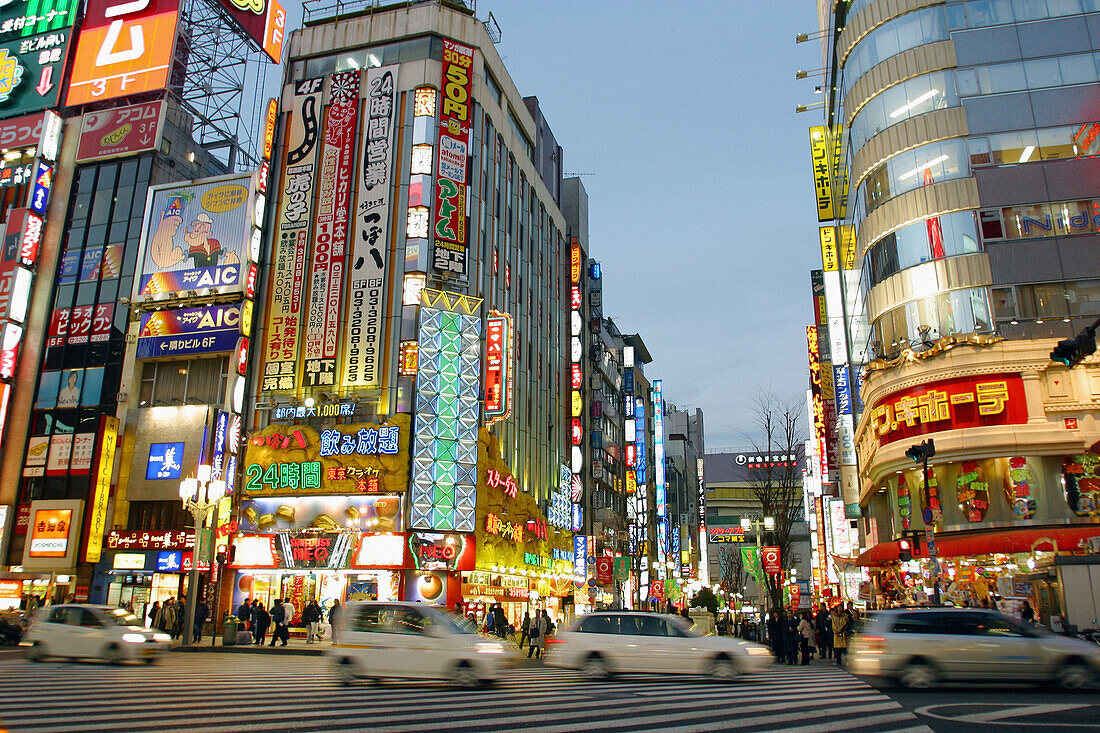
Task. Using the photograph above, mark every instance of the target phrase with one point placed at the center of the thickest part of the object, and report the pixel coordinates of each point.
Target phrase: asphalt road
(273, 691)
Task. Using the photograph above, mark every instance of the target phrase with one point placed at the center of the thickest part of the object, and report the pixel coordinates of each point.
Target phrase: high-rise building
(411, 364)
(955, 179)
(97, 432)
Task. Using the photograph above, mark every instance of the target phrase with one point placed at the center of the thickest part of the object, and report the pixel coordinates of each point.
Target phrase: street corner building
(952, 173)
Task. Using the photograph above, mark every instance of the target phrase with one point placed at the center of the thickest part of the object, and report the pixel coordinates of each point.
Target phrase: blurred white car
(919, 647)
(78, 630)
(605, 643)
(410, 640)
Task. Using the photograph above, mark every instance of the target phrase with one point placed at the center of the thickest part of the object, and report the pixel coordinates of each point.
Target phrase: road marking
(1011, 711)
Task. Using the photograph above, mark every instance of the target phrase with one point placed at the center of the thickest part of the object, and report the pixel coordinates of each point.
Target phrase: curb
(251, 649)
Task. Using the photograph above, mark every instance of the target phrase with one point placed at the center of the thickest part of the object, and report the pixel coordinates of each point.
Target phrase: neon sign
(365, 442)
(508, 484)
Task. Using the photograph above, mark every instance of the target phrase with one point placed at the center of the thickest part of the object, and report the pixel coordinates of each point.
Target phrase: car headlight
(134, 638)
(161, 637)
(758, 651)
(489, 648)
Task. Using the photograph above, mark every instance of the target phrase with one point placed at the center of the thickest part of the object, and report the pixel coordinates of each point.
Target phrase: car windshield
(122, 617)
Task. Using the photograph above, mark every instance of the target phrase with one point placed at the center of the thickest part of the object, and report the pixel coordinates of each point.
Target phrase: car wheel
(464, 676)
(1074, 676)
(345, 670)
(112, 655)
(150, 660)
(37, 652)
(917, 676)
(722, 669)
(595, 668)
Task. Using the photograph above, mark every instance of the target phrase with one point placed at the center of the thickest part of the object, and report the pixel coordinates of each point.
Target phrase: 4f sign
(125, 47)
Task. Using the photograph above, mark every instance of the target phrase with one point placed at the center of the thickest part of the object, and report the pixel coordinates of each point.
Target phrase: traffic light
(1072, 352)
(905, 550)
(922, 451)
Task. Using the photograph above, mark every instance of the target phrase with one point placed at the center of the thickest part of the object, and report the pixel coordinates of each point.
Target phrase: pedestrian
(1027, 613)
(524, 629)
(244, 613)
(278, 617)
(490, 620)
(311, 617)
(806, 634)
(775, 633)
(335, 614)
(534, 634)
(179, 615)
(153, 611)
(824, 628)
(261, 619)
(201, 612)
(500, 621)
(791, 636)
(840, 622)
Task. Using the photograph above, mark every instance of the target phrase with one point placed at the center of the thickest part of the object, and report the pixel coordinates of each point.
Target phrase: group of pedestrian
(258, 620)
(535, 629)
(796, 637)
(171, 615)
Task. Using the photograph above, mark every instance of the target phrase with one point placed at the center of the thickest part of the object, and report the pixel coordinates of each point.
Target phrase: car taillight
(555, 641)
(873, 644)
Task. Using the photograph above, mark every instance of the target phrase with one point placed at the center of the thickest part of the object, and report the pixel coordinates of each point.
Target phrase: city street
(235, 692)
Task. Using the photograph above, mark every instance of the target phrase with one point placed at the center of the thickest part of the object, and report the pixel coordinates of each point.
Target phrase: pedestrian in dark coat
(500, 621)
(244, 613)
(790, 641)
(524, 628)
(824, 626)
(201, 612)
(261, 619)
(775, 633)
(335, 615)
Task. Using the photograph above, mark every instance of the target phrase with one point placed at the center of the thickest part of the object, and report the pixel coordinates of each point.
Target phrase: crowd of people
(796, 637)
(532, 631)
(171, 615)
(257, 619)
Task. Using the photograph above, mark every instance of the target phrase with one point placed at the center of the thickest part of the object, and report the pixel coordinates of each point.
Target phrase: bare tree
(777, 485)
(731, 568)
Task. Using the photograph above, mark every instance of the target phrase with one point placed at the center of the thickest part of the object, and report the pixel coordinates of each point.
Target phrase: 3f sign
(107, 55)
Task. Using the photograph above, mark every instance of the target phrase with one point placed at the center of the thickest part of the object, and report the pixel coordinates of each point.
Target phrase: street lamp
(769, 526)
(199, 495)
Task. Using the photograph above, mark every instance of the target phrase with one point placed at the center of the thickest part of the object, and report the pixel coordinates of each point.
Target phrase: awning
(987, 543)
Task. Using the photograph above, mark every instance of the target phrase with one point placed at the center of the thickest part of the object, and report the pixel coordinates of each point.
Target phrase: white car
(410, 640)
(605, 643)
(77, 630)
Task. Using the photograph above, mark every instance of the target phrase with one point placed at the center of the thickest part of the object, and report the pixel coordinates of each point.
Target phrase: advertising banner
(294, 460)
(604, 570)
(53, 534)
(196, 237)
(264, 21)
(455, 121)
(331, 230)
(97, 522)
(363, 343)
(842, 389)
(204, 330)
(291, 246)
(112, 133)
(823, 187)
(950, 404)
(580, 557)
(81, 325)
(124, 48)
(498, 367)
(769, 557)
(267, 514)
(34, 40)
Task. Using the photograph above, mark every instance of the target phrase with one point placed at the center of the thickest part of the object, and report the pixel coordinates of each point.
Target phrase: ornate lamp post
(199, 494)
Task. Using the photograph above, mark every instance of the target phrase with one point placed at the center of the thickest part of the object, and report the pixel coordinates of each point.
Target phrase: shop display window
(1081, 477)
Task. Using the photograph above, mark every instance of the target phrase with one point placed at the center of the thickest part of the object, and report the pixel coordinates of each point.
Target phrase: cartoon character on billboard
(197, 243)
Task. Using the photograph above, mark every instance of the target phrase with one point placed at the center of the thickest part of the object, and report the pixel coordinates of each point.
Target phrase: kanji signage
(965, 402)
(50, 532)
(124, 48)
(348, 459)
(127, 130)
(175, 332)
(139, 540)
(31, 63)
(498, 366)
(771, 560)
(726, 534)
(455, 123)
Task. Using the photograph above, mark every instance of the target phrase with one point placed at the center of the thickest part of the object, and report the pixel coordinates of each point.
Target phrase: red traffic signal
(905, 550)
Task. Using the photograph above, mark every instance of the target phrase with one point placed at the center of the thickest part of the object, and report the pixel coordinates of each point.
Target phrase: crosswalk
(248, 692)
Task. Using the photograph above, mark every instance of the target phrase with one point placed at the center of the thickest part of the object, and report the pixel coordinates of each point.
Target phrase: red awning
(987, 543)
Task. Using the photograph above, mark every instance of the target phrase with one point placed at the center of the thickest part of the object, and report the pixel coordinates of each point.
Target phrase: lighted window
(416, 226)
(424, 102)
(411, 288)
(422, 160)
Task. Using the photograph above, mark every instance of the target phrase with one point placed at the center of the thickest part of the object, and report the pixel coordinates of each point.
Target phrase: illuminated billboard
(124, 48)
(263, 20)
(455, 121)
(199, 237)
(498, 366)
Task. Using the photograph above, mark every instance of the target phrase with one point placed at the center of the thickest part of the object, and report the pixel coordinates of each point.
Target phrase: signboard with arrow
(111, 133)
(31, 72)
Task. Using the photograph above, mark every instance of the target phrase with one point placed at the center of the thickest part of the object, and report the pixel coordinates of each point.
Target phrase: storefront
(321, 517)
(138, 568)
(1012, 492)
(522, 562)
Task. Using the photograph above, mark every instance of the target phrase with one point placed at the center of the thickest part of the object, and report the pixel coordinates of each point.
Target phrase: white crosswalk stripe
(246, 692)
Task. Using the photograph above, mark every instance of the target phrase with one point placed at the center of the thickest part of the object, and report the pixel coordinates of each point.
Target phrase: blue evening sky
(701, 205)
